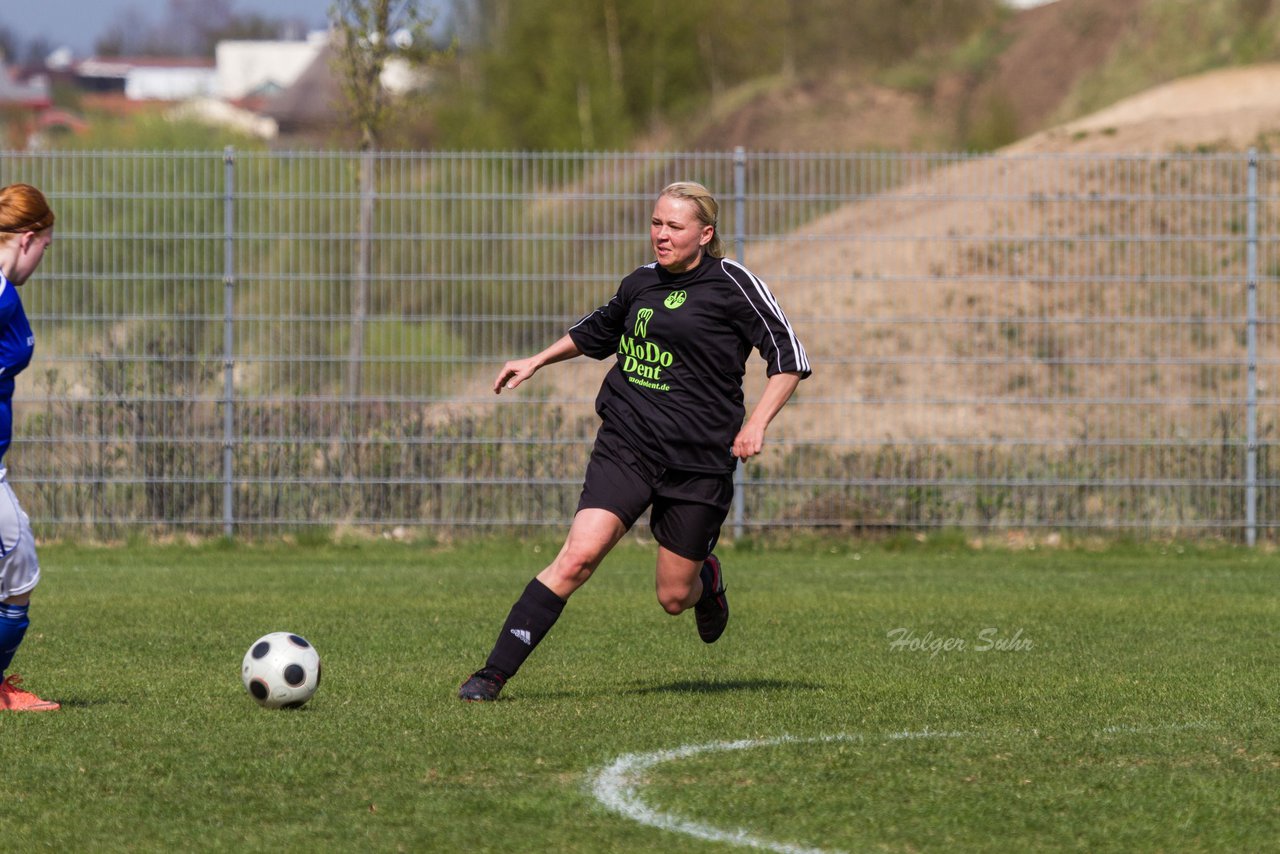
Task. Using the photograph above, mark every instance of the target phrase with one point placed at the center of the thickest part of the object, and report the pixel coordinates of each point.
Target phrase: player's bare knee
(674, 600)
(573, 569)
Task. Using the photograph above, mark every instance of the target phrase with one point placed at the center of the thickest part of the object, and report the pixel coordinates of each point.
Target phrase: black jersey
(681, 341)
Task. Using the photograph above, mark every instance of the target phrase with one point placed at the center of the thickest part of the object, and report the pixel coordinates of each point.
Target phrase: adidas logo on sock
(523, 634)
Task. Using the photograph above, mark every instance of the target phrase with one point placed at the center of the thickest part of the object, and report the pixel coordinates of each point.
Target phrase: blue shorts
(688, 507)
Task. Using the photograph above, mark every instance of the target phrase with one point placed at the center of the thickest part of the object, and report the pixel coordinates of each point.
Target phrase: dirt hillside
(942, 294)
(1230, 109)
(1045, 52)
(930, 260)
(926, 259)
(1050, 49)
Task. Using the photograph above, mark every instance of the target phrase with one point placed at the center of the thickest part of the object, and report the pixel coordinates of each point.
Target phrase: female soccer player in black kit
(681, 330)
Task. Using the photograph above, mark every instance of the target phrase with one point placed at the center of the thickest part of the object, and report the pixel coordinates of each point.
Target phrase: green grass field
(864, 697)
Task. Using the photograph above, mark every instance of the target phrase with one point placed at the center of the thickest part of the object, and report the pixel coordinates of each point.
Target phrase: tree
(8, 44)
(367, 34)
(189, 28)
(572, 73)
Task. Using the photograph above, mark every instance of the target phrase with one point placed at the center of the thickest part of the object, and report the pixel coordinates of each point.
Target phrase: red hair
(24, 208)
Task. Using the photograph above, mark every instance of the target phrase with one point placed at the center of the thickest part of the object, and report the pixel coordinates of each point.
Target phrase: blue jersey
(17, 344)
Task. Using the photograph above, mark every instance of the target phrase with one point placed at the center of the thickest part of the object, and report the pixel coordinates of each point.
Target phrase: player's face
(677, 235)
(28, 252)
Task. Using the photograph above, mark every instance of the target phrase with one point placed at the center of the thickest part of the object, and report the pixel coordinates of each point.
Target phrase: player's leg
(615, 492)
(683, 583)
(591, 536)
(712, 608)
(593, 533)
(19, 574)
(13, 626)
(677, 581)
(686, 520)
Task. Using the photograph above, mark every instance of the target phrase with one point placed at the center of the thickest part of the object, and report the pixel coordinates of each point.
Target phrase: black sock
(708, 578)
(533, 615)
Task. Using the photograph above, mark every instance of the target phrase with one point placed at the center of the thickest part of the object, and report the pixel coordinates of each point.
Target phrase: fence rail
(243, 341)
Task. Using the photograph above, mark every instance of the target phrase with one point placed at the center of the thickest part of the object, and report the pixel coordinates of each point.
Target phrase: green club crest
(675, 299)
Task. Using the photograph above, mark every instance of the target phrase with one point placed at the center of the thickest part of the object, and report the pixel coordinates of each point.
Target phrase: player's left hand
(748, 442)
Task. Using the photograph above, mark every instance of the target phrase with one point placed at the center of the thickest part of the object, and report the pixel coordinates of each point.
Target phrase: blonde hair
(24, 208)
(707, 206)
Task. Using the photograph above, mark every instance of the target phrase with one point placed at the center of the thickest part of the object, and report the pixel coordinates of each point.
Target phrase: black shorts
(688, 506)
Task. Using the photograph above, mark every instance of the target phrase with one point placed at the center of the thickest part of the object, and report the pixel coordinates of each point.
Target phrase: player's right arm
(518, 370)
(595, 335)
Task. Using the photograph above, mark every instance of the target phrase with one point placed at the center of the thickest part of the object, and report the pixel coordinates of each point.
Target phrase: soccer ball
(281, 670)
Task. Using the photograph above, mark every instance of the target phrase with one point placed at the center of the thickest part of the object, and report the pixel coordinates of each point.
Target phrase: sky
(78, 23)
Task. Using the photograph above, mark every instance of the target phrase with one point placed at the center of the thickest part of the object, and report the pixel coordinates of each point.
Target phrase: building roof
(32, 93)
(120, 66)
(314, 99)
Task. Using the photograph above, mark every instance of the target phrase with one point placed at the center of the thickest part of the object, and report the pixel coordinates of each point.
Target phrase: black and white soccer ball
(281, 670)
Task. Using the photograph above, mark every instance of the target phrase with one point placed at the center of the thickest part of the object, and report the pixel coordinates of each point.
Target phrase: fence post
(228, 339)
(360, 293)
(739, 252)
(1251, 337)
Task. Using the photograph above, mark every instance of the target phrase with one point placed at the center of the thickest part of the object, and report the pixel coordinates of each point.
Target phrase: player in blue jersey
(673, 422)
(26, 230)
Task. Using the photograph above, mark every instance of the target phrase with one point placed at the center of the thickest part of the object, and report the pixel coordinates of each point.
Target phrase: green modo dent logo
(675, 299)
(644, 360)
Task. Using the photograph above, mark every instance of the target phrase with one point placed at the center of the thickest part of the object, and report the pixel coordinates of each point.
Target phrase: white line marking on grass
(616, 787)
(1126, 729)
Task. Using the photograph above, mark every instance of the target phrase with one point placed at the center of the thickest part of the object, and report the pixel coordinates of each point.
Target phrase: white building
(248, 67)
(168, 84)
(147, 78)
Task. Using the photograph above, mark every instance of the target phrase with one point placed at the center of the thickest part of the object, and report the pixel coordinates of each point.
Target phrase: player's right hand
(513, 373)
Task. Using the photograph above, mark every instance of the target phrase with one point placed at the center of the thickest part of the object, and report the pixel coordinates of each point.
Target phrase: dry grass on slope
(981, 294)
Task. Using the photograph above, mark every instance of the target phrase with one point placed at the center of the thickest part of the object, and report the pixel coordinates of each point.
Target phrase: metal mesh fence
(246, 341)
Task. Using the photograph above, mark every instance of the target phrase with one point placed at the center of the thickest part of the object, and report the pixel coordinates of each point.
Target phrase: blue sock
(13, 625)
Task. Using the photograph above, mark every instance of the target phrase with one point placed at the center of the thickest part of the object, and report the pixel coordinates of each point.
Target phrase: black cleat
(482, 686)
(712, 611)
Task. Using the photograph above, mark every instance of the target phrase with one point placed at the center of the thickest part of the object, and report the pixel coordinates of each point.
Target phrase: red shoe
(14, 699)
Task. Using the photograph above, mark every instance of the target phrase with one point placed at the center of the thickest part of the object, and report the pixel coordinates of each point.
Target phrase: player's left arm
(777, 391)
(761, 321)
